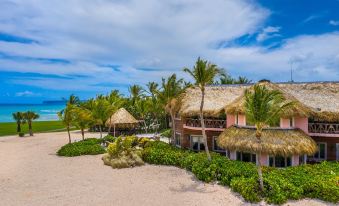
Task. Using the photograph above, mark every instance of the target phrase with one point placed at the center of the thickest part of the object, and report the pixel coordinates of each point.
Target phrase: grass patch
(89, 146)
(9, 128)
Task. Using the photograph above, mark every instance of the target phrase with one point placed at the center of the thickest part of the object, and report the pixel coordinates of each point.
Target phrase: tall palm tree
(203, 73)
(74, 100)
(19, 119)
(82, 119)
(136, 91)
(66, 118)
(152, 88)
(262, 108)
(143, 107)
(171, 90)
(29, 116)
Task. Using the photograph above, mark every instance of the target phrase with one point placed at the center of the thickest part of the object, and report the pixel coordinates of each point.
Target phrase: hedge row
(316, 181)
(90, 146)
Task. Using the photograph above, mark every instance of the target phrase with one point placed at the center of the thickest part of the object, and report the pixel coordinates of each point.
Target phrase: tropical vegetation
(90, 146)
(313, 181)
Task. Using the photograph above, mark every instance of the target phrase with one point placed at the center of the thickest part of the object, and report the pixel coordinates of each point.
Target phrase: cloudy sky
(50, 49)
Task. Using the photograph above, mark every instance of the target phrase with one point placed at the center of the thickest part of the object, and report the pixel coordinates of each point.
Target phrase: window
(246, 157)
(279, 161)
(291, 122)
(216, 147)
(178, 139)
(197, 143)
(321, 153)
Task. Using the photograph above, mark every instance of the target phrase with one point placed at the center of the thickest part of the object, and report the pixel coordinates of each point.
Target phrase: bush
(21, 134)
(85, 147)
(247, 187)
(143, 141)
(167, 133)
(315, 181)
(108, 138)
(123, 153)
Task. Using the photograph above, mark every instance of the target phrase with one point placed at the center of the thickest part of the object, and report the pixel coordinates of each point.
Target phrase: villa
(308, 132)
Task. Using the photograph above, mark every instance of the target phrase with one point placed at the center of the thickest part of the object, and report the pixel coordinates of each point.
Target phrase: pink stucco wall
(302, 123)
(230, 120)
(284, 123)
(241, 120)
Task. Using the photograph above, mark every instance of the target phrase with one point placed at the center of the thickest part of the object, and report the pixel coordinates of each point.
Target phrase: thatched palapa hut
(274, 141)
(122, 119)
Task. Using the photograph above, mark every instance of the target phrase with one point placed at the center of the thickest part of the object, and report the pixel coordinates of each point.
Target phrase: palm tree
(82, 119)
(136, 92)
(115, 101)
(19, 119)
(143, 107)
(66, 118)
(262, 108)
(100, 112)
(152, 88)
(203, 73)
(171, 90)
(73, 100)
(29, 116)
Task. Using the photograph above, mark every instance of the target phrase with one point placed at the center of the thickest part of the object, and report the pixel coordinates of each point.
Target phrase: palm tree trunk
(145, 126)
(30, 128)
(261, 182)
(69, 135)
(173, 128)
(110, 125)
(204, 136)
(18, 128)
(82, 133)
(114, 130)
(100, 128)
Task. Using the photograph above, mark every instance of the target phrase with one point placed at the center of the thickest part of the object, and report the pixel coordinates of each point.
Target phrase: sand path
(31, 174)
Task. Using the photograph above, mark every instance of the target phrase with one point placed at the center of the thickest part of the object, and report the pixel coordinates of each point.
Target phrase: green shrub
(315, 181)
(167, 133)
(123, 153)
(86, 147)
(247, 187)
(21, 134)
(108, 138)
(143, 141)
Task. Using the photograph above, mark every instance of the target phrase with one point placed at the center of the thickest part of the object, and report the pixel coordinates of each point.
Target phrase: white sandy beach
(32, 174)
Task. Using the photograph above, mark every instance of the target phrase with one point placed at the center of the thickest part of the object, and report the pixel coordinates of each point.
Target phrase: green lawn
(9, 128)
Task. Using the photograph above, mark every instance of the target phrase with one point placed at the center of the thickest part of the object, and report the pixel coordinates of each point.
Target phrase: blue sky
(49, 49)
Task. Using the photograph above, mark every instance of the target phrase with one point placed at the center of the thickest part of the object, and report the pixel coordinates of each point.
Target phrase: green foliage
(167, 133)
(89, 146)
(247, 187)
(108, 138)
(143, 141)
(21, 134)
(315, 181)
(123, 153)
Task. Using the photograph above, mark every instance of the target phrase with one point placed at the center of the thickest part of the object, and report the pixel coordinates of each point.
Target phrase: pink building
(315, 122)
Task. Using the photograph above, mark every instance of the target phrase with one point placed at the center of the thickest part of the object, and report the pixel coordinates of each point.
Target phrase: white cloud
(27, 94)
(268, 32)
(334, 23)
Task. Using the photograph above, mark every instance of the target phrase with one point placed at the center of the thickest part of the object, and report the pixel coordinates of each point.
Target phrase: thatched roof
(297, 109)
(320, 99)
(274, 141)
(123, 117)
(216, 97)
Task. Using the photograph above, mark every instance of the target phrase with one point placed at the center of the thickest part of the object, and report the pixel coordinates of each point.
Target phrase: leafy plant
(89, 146)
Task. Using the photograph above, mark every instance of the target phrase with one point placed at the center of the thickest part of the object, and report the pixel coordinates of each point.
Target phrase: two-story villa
(309, 132)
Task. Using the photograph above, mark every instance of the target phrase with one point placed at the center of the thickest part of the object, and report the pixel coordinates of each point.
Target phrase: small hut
(122, 119)
(292, 142)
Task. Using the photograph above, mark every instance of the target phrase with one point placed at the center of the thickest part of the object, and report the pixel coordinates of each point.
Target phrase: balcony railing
(325, 128)
(209, 123)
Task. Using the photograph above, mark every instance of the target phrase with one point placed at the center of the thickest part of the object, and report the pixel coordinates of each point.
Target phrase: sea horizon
(47, 111)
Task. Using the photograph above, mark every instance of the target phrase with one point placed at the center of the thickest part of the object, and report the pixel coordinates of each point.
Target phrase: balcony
(323, 128)
(210, 124)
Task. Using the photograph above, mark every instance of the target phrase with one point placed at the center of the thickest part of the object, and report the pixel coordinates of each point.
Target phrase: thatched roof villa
(309, 131)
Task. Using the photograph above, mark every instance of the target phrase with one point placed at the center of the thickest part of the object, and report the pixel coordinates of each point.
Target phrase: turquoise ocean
(47, 112)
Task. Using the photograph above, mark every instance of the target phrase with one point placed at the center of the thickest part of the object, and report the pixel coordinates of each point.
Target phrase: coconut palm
(29, 116)
(66, 118)
(115, 101)
(136, 92)
(19, 119)
(143, 107)
(171, 90)
(203, 73)
(262, 108)
(82, 119)
(100, 112)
